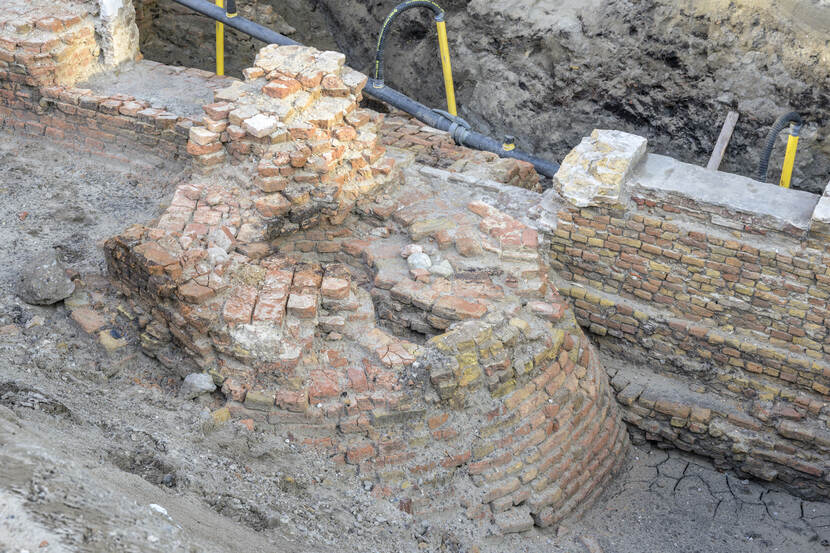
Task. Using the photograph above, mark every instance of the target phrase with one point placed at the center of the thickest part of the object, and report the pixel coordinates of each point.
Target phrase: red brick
(303, 306)
(357, 379)
(437, 420)
(358, 453)
(323, 385)
(240, 306)
(270, 306)
(194, 293)
(292, 400)
(199, 150)
(272, 205)
(88, 319)
(451, 307)
(548, 311)
(217, 111)
(281, 87)
(335, 288)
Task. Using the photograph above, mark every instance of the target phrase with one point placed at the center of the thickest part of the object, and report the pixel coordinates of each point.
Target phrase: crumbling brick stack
(46, 45)
(297, 114)
(437, 149)
(47, 49)
(407, 331)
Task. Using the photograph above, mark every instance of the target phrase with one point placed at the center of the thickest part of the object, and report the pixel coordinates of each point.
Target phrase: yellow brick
(469, 375)
(815, 292)
(741, 289)
(654, 266)
(592, 298)
(221, 416)
(577, 292)
(505, 388)
(467, 359)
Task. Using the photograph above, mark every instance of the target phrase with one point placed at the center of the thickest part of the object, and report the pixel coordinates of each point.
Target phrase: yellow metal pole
(789, 161)
(220, 43)
(444, 48)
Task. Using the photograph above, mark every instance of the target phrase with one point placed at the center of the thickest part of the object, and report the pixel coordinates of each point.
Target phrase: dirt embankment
(549, 74)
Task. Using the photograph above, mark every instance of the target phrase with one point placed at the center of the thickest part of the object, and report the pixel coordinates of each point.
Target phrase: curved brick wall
(508, 410)
(411, 332)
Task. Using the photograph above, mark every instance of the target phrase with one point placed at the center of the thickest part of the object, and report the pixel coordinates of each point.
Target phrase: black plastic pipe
(457, 128)
(387, 23)
(777, 127)
(241, 24)
(459, 131)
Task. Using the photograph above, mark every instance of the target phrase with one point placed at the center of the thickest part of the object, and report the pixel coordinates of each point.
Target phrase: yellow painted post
(446, 66)
(789, 161)
(220, 43)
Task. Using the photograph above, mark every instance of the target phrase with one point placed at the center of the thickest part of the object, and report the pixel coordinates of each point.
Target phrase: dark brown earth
(549, 74)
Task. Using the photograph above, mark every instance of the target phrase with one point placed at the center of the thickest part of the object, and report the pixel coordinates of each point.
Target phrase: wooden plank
(723, 140)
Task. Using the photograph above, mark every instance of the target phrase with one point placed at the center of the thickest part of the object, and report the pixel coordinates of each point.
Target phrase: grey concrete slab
(779, 206)
(180, 90)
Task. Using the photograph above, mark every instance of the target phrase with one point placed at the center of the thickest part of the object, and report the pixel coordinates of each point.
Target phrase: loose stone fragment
(196, 384)
(43, 279)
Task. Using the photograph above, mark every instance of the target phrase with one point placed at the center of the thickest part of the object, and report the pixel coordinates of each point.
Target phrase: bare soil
(98, 453)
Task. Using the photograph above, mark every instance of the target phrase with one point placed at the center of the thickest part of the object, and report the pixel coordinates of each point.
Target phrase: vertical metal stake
(789, 160)
(220, 43)
(446, 67)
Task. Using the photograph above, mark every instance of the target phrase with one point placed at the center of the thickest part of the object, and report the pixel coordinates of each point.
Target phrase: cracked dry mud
(97, 452)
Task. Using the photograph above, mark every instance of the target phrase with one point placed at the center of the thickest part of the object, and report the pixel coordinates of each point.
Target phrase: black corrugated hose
(779, 125)
(398, 10)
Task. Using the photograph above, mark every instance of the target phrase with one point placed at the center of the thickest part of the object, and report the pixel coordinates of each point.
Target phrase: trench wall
(719, 284)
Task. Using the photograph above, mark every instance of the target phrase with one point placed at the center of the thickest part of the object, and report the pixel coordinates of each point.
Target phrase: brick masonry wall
(731, 307)
(507, 416)
(44, 52)
(437, 149)
(109, 126)
(42, 49)
(460, 387)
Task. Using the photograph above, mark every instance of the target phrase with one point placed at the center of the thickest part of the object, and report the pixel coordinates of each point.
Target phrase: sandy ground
(97, 452)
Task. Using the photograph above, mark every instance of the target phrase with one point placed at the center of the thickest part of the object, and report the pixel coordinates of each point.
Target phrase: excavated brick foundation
(373, 310)
(387, 320)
